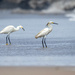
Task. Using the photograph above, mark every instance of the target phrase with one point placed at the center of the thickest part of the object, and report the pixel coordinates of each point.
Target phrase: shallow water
(25, 50)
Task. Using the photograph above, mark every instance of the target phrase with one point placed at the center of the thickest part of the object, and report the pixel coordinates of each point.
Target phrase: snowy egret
(9, 29)
(43, 33)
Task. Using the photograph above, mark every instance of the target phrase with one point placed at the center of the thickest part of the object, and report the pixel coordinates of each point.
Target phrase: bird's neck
(16, 29)
(49, 26)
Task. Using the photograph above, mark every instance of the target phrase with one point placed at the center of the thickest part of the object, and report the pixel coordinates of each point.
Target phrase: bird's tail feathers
(0, 32)
(36, 36)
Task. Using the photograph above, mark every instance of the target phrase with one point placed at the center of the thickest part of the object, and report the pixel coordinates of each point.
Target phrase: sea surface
(25, 50)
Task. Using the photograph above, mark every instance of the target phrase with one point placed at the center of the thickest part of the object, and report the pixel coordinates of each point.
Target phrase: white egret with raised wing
(43, 33)
(9, 29)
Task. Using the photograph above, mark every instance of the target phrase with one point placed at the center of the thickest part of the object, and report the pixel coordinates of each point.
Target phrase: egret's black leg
(43, 42)
(9, 39)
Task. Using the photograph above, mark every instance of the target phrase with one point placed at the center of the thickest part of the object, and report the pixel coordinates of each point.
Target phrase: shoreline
(37, 70)
(37, 12)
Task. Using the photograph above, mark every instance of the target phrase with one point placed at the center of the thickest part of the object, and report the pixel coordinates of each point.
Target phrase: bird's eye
(21, 27)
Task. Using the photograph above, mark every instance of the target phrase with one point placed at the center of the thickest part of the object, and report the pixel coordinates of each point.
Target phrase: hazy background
(39, 6)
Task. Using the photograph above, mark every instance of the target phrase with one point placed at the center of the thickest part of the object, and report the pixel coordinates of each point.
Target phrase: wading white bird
(9, 29)
(43, 33)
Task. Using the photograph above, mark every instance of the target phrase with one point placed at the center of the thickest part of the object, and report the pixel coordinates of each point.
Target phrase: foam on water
(71, 17)
(37, 61)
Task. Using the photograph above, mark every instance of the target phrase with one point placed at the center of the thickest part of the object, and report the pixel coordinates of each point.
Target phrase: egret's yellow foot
(46, 47)
(6, 43)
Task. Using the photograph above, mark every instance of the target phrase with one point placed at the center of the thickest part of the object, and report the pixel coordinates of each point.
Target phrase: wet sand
(37, 70)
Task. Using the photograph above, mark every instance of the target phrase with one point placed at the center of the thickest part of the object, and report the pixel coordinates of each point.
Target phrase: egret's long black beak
(55, 23)
(23, 29)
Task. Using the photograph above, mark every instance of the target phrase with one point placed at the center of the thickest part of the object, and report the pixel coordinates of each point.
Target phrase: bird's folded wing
(42, 33)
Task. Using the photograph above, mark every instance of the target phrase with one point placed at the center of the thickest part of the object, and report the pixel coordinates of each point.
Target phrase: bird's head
(22, 27)
(51, 22)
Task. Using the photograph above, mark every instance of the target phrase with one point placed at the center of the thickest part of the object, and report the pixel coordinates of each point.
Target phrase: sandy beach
(37, 70)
